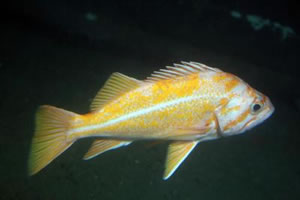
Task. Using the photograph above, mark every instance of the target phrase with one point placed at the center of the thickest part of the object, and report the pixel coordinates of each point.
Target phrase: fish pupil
(256, 107)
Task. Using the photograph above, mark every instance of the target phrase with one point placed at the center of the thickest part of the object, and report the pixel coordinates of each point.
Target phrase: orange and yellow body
(157, 110)
(186, 104)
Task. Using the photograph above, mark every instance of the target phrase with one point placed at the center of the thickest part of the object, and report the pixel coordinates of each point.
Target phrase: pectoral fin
(101, 146)
(177, 152)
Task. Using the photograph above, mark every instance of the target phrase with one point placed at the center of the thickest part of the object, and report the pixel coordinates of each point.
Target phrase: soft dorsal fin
(115, 86)
(183, 69)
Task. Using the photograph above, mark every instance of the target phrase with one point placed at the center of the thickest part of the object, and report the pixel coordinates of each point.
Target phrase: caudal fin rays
(49, 139)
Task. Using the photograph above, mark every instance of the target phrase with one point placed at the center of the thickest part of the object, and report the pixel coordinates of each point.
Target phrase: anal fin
(100, 146)
(177, 153)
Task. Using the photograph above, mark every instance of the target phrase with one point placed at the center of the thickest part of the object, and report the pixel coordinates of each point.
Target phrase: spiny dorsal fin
(183, 69)
(115, 86)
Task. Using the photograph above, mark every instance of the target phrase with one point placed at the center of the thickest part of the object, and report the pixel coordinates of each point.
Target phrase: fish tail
(50, 137)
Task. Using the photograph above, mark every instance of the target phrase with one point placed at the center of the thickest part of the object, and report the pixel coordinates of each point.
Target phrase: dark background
(60, 52)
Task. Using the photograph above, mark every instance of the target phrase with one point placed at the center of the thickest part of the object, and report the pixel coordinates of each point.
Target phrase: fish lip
(272, 108)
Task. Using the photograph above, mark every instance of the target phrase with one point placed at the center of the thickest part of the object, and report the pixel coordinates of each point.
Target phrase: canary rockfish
(185, 104)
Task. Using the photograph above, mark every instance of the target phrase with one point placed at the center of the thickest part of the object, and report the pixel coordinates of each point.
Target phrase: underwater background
(61, 52)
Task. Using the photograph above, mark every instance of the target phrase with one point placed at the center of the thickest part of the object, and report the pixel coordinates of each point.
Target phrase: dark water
(61, 52)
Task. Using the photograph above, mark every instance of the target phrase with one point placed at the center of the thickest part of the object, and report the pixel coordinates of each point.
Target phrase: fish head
(247, 108)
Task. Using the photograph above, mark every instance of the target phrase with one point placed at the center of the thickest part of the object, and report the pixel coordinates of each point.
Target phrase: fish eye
(256, 107)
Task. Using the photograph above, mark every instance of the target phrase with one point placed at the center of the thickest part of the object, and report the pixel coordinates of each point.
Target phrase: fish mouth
(269, 111)
(272, 109)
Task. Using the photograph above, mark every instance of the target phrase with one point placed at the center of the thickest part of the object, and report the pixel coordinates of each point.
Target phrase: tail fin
(50, 138)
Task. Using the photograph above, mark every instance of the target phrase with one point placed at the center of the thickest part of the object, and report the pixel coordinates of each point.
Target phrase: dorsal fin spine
(179, 70)
(158, 76)
(176, 70)
(188, 68)
(168, 75)
(170, 71)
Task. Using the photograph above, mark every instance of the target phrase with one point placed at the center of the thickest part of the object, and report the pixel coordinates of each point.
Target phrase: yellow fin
(49, 139)
(101, 146)
(177, 153)
(115, 86)
(183, 69)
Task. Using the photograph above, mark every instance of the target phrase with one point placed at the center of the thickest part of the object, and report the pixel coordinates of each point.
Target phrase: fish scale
(163, 100)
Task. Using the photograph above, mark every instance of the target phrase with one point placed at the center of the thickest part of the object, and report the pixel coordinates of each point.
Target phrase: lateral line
(135, 114)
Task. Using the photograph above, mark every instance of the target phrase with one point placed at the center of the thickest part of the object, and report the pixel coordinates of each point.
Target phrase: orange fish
(185, 104)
